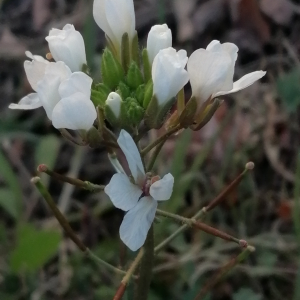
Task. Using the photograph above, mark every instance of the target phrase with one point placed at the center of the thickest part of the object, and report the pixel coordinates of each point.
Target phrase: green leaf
(288, 88)
(34, 248)
(246, 294)
(12, 193)
(8, 202)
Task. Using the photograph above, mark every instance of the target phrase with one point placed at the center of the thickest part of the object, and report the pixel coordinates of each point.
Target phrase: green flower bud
(134, 76)
(123, 90)
(99, 94)
(140, 93)
(111, 69)
(135, 112)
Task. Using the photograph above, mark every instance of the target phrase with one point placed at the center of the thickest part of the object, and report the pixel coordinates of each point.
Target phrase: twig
(74, 181)
(204, 227)
(210, 206)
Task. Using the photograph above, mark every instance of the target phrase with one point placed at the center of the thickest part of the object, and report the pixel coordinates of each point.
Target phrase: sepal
(111, 69)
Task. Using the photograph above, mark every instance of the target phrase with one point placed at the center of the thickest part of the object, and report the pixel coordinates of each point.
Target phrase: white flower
(115, 17)
(44, 78)
(114, 102)
(75, 110)
(168, 74)
(67, 45)
(159, 37)
(139, 198)
(211, 71)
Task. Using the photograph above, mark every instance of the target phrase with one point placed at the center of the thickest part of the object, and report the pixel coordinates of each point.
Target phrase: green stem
(160, 139)
(143, 284)
(155, 155)
(74, 181)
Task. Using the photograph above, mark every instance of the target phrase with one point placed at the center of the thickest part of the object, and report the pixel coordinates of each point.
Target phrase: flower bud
(114, 102)
(169, 77)
(134, 76)
(67, 45)
(115, 17)
(159, 37)
(111, 69)
(134, 111)
(99, 94)
(168, 74)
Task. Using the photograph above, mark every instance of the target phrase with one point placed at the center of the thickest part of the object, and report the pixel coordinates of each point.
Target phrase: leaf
(288, 88)
(34, 248)
(246, 294)
(8, 203)
(11, 197)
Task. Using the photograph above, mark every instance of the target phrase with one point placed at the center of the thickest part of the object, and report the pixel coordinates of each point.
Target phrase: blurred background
(261, 124)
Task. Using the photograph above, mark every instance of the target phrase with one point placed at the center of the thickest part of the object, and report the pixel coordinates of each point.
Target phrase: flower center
(149, 180)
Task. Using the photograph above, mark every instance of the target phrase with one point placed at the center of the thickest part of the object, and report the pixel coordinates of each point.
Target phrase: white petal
(137, 222)
(132, 155)
(36, 57)
(30, 101)
(101, 20)
(169, 74)
(243, 82)
(208, 71)
(163, 188)
(35, 71)
(123, 11)
(77, 82)
(47, 88)
(75, 112)
(122, 193)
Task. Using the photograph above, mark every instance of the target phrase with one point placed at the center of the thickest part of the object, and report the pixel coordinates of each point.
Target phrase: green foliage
(11, 195)
(34, 248)
(288, 87)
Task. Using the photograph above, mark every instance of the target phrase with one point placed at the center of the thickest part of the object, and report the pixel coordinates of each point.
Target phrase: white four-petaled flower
(211, 72)
(64, 95)
(138, 198)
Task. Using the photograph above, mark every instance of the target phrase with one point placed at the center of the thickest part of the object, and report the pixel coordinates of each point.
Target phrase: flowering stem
(66, 226)
(74, 181)
(69, 137)
(121, 290)
(202, 226)
(160, 139)
(154, 155)
(223, 272)
(145, 274)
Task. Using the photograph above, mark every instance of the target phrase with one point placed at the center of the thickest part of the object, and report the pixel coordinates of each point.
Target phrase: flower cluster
(137, 91)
